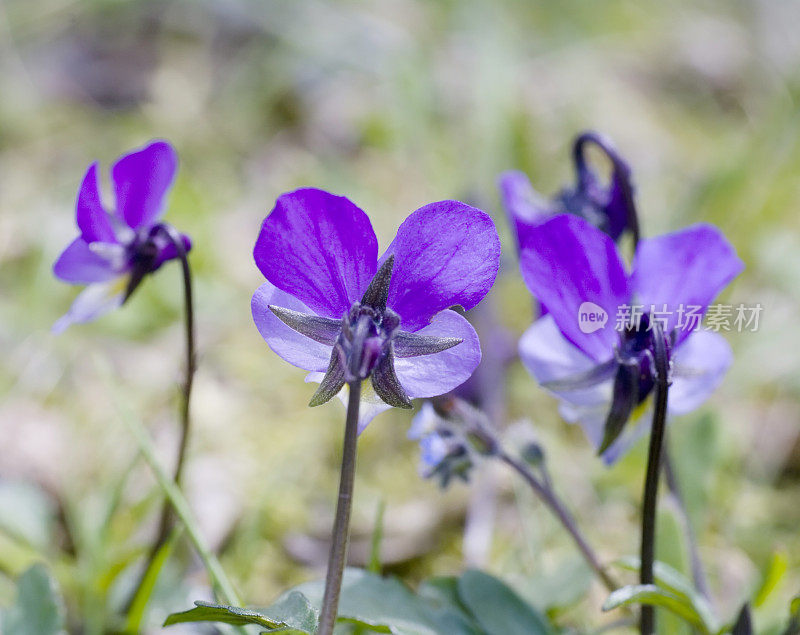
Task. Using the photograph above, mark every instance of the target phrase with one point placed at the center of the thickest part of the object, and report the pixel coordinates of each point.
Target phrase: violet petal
(446, 254)
(688, 267)
(141, 181)
(78, 264)
(567, 262)
(93, 221)
(318, 247)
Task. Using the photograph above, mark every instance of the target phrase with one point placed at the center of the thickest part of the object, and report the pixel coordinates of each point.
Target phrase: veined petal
(550, 357)
(79, 264)
(287, 343)
(95, 300)
(446, 254)
(437, 374)
(141, 181)
(567, 263)
(525, 207)
(93, 221)
(688, 267)
(699, 365)
(370, 407)
(318, 247)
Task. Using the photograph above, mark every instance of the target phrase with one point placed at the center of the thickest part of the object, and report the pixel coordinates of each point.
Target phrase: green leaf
(497, 608)
(388, 606)
(38, 609)
(291, 614)
(678, 585)
(776, 570)
(655, 596)
(794, 607)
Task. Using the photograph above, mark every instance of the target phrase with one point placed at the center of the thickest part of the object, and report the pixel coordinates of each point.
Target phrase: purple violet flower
(115, 251)
(332, 307)
(602, 372)
(611, 208)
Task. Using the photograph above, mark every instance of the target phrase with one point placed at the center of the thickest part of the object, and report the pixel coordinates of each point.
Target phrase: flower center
(365, 338)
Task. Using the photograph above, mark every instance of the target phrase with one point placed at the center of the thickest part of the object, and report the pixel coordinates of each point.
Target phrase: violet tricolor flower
(604, 376)
(116, 250)
(610, 208)
(332, 307)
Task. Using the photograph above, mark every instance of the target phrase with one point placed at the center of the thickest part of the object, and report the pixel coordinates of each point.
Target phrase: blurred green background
(394, 104)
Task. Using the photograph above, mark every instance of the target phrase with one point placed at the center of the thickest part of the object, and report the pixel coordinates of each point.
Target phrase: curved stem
(547, 495)
(654, 459)
(341, 525)
(166, 516)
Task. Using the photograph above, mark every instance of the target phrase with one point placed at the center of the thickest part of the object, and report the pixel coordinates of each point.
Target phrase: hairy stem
(165, 522)
(341, 525)
(654, 458)
(548, 496)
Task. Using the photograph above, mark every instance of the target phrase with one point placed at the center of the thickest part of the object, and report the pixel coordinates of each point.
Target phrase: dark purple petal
(446, 254)
(287, 343)
(525, 207)
(319, 248)
(78, 264)
(141, 181)
(93, 221)
(433, 375)
(688, 267)
(170, 252)
(617, 206)
(567, 262)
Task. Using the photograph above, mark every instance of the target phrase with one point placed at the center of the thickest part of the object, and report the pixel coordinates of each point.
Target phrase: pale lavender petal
(688, 267)
(287, 343)
(93, 221)
(94, 301)
(319, 248)
(592, 420)
(433, 375)
(699, 365)
(525, 207)
(141, 181)
(446, 254)
(566, 262)
(549, 356)
(78, 264)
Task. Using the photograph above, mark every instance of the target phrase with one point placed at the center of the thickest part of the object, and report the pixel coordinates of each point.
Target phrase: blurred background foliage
(395, 104)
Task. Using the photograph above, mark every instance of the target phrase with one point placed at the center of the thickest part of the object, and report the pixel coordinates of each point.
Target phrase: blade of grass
(225, 588)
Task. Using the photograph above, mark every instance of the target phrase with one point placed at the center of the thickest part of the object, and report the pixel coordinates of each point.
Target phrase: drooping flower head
(117, 249)
(610, 208)
(331, 306)
(453, 437)
(594, 349)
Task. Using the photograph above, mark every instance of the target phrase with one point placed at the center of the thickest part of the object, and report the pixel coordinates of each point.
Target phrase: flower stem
(654, 459)
(548, 496)
(154, 562)
(341, 525)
